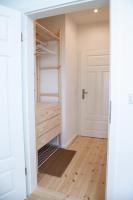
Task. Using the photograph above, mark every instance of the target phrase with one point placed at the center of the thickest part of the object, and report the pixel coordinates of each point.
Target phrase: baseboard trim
(96, 135)
(70, 141)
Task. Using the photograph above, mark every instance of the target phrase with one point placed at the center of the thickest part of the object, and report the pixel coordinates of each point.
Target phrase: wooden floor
(84, 179)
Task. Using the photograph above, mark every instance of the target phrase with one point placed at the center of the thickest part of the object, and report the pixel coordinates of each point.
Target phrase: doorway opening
(72, 103)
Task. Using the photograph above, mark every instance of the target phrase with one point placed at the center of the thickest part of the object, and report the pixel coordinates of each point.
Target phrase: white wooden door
(12, 166)
(95, 97)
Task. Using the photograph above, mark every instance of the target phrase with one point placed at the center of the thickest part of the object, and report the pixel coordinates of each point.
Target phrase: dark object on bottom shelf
(57, 163)
(45, 152)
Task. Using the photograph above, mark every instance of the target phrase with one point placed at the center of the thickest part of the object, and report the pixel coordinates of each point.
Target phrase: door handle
(84, 92)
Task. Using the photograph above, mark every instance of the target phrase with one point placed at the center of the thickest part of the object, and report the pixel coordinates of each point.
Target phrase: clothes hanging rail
(43, 39)
(40, 42)
(41, 49)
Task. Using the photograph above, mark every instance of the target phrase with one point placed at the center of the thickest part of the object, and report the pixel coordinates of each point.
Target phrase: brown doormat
(57, 163)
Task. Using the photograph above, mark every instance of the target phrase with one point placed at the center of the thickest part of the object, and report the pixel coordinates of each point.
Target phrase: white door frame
(28, 82)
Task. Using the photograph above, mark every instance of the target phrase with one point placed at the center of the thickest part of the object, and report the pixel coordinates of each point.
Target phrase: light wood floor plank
(85, 177)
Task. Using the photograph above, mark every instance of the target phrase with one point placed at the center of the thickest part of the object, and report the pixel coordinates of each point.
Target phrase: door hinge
(21, 37)
(25, 171)
(110, 111)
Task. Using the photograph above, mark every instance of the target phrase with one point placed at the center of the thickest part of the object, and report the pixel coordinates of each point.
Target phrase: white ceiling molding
(31, 7)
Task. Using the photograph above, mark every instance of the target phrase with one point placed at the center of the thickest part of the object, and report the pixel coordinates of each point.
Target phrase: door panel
(94, 108)
(12, 165)
(98, 60)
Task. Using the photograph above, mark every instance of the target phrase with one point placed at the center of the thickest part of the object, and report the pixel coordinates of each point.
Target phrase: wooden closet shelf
(45, 52)
(45, 34)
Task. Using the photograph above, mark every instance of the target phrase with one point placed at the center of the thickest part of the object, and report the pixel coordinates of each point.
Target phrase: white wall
(120, 154)
(93, 36)
(71, 70)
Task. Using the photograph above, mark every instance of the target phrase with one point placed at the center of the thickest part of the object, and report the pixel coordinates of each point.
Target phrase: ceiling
(88, 16)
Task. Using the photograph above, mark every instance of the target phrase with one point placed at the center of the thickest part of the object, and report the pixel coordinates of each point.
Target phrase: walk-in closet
(47, 91)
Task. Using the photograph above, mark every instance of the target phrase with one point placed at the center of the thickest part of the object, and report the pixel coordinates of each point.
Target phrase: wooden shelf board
(44, 34)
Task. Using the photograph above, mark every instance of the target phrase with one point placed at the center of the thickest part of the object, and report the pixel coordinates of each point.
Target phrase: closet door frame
(28, 83)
